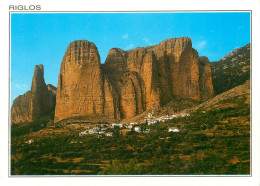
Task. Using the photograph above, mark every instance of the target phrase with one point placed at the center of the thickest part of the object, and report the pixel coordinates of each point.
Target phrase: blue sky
(42, 38)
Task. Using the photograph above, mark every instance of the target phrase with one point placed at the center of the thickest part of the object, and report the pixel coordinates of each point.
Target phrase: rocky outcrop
(129, 82)
(36, 102)
(21, 110)
(171, 69)
(81, 85)
(116, 59)
(240, 90)
(232, 70)
(205, 79)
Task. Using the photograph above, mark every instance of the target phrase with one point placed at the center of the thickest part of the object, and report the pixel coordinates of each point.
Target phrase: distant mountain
(232, 70)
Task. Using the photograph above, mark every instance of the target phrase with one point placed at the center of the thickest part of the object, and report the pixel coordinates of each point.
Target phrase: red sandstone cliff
(129, 82)
(81, 86)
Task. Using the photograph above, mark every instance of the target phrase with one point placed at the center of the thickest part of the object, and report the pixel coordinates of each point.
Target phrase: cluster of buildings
(125, 128)
(133, 126)
(97, 130)
(152, 120)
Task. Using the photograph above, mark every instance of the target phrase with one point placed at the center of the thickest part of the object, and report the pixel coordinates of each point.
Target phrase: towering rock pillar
(178, 68)
(42, 98)
(36, 102)
(81, 88)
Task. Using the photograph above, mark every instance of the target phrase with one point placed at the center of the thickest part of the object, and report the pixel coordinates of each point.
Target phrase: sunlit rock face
(131, 81)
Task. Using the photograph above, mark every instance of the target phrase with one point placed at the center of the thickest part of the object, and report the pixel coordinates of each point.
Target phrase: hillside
(240, 90)
(232, 70)
(214, 139)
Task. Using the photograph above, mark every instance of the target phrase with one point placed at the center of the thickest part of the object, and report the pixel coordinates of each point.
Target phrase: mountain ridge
(232, 70)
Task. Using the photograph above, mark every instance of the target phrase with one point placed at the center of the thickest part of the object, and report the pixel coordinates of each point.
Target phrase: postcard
(132, 94)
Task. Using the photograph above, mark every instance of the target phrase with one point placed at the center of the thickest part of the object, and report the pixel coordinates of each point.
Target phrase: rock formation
(232, 70)
(130, 82)
(205, 79)
(36, 102)
(82, 88)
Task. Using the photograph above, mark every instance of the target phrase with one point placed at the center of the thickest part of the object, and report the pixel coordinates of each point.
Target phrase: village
(105, 129)
(145, 126)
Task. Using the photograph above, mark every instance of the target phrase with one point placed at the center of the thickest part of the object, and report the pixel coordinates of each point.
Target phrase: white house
(83, 133)
(114, 124)
(102, 132)
(29, 141)
(133, 123)
(149, 115)
(184, 114)
(159, 119)
(151, 122)
(109, 134)
(129, 126)
(92, 131)
(96, 128)
(120, 125)
(173, 129)
(117, 125)
(137, 129)
(174, 116)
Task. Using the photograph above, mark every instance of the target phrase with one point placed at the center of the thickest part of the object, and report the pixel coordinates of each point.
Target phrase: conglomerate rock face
(82, 88)
(21, 110)
(205, 79)
(130, 82)
(36, 102)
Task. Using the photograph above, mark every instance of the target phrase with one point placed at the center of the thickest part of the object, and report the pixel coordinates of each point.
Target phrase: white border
(133, 5)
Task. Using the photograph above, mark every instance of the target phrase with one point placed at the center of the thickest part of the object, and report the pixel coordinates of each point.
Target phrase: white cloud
(125, 36)
(130, 46)
(200, 45)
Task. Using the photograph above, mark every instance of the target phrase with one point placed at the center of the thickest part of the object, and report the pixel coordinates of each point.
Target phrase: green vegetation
(118, 168)
(214, 142)
(26, 128)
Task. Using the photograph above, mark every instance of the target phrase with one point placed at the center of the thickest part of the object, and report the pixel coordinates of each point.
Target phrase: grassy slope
(215, 142)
